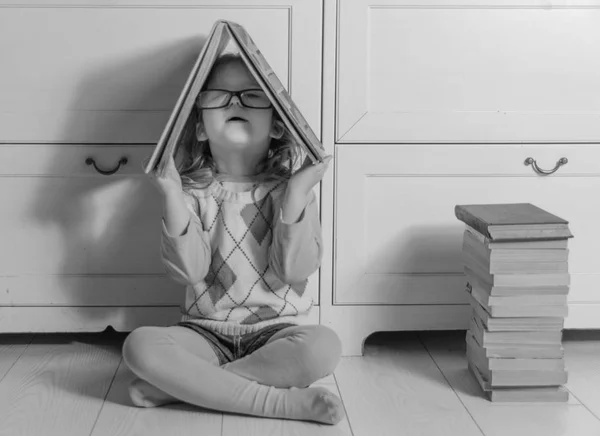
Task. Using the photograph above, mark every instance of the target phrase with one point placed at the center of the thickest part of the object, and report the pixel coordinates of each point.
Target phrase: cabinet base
(80, 319)
(355, 323)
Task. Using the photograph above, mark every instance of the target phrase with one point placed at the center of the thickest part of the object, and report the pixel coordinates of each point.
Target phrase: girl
(241, 230)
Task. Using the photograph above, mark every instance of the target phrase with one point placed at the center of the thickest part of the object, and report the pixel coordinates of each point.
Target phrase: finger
(325, 164)
(325, 161)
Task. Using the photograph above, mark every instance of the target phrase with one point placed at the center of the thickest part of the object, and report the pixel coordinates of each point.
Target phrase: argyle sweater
(244, 267)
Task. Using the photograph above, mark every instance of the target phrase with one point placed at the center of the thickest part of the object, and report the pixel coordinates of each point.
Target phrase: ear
(277, 129)
(201, 132)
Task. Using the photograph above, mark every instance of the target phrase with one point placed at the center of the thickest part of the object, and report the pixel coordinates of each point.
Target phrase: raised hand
(170, 181)
(303, 180)
(299, 186)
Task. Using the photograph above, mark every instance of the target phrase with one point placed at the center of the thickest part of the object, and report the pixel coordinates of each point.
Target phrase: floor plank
(582, 357)
(500, 419)
(119, 417)
(11, 348)
(57, 386)
(396, 389)
(235, 425)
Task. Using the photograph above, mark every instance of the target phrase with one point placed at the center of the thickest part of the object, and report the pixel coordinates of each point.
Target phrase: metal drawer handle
(90, 161)
(531, 161)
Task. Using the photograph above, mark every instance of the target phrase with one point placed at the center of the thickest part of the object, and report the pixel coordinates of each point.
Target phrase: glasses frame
(232, 94)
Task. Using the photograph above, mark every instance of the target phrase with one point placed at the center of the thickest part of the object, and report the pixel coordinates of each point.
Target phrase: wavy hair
(198, 169)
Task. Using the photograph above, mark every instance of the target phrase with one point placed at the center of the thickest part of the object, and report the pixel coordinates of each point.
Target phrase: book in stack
(227, 36)
(515, 260)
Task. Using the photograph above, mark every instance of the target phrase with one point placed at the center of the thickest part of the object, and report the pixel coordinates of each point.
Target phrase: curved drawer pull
(90, 161)
(531, 161)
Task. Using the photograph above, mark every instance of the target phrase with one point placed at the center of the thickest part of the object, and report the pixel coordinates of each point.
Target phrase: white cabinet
(97, 79)
(425, 105)
(438, 103)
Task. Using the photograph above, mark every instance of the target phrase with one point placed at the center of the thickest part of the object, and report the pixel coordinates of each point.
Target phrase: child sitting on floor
(241, 230)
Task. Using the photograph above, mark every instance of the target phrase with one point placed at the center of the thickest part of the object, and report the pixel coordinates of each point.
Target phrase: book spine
(472, 221)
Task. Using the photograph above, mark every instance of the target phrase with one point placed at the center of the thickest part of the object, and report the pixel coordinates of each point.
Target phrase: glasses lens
(256, 98)
(212, 99)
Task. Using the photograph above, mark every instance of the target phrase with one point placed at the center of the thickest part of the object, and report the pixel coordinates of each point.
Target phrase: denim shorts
(232, 347)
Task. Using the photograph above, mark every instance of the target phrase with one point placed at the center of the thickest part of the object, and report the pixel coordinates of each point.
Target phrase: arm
(297, 247)
(185, 246)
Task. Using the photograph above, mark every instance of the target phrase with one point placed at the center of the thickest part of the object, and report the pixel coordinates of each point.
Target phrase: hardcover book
(221, 35)
(513, 222)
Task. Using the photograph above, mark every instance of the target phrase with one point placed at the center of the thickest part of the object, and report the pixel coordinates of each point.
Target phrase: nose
(237, 100)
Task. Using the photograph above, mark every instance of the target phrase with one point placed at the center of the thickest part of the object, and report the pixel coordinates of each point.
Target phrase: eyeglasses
(218, 98)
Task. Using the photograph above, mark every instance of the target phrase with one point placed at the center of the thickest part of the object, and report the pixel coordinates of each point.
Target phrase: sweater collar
(224, 177)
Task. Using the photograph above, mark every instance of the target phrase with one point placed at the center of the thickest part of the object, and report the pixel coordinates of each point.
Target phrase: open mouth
(237, 119)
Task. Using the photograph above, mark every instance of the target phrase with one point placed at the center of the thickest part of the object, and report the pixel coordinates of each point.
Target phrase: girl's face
(236, 127)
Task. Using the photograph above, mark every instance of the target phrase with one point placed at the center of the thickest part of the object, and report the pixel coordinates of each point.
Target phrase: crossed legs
(177, 364)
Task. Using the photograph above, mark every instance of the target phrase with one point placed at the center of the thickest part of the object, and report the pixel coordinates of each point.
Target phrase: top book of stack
(513, 222)
(222, 33)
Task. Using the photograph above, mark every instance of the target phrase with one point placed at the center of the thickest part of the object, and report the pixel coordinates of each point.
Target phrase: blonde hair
(198, 169)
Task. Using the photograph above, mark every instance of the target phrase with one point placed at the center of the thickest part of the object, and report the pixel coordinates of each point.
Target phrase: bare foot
(320, 404)
(143, 394)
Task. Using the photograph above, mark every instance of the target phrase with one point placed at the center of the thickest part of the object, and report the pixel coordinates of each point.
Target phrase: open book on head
(180, 124)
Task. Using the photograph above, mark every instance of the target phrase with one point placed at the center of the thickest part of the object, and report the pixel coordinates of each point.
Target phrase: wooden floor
(406, 384)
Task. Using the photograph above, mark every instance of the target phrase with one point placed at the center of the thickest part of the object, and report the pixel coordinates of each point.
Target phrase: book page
(216, 42)
(276, 87)
(276, 103)
(159, 150)
(215, 47)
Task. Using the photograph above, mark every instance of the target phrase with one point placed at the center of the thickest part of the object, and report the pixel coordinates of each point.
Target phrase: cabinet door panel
(398, 240)
(469, 71)
(87, 77)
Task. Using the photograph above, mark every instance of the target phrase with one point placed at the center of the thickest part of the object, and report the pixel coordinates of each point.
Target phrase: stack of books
(517, 278)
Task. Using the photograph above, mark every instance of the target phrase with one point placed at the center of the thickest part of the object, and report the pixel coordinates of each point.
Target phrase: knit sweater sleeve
(187, 256)
(297, 248)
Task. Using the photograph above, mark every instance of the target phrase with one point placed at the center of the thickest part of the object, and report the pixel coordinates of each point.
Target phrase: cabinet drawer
(398, 241)
(74, 237)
